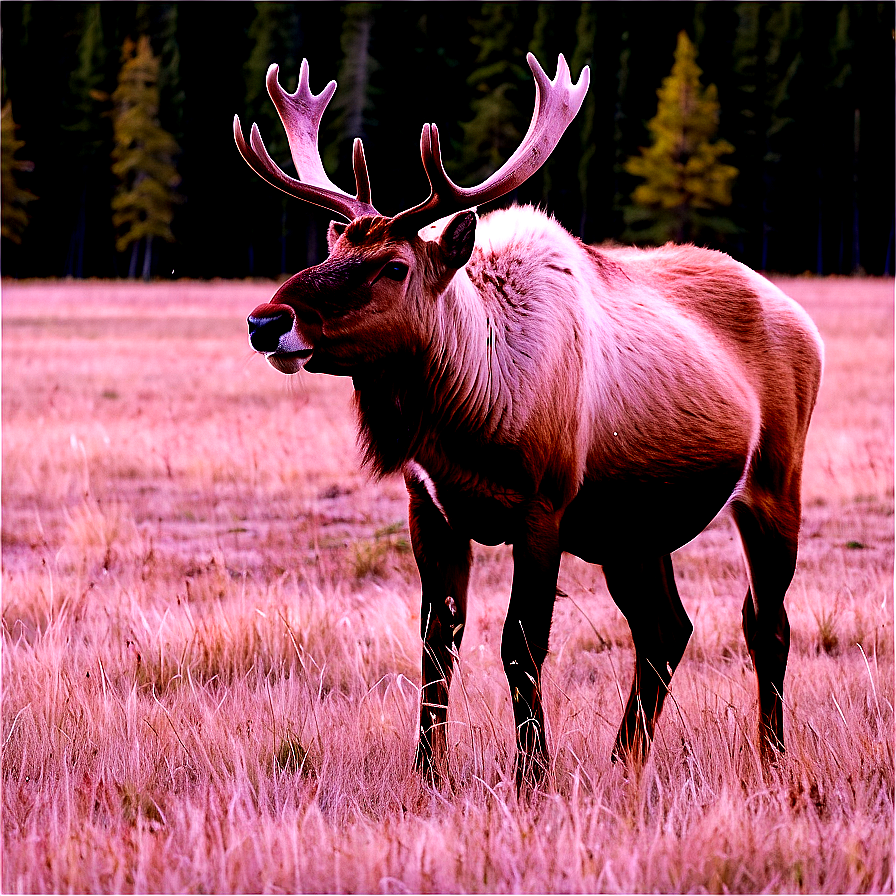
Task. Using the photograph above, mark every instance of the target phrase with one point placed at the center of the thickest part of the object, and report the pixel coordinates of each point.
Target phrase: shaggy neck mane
(453, 384)
(503, 350)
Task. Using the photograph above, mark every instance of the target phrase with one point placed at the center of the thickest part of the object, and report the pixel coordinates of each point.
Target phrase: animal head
(363, 302)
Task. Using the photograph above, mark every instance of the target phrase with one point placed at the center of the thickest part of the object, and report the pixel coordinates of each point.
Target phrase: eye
(396, 270)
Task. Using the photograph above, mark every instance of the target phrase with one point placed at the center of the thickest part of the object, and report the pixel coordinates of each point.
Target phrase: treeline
(805, 98)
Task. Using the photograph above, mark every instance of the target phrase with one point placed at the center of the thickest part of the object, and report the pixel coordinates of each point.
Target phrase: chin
(289, 363)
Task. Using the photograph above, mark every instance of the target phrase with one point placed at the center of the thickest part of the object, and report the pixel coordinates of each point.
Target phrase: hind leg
(645, 592)
(769, 532)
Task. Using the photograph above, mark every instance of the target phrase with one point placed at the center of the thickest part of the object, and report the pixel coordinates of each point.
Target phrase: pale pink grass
(211, 641)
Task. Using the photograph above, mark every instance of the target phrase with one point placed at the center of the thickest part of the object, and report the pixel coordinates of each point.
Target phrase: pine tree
(15, 198)
(766, 60)
(143, 206)
(683, 177)
(86, 83)
(352, 102)
(271, 36)
(498, 122)
(586, 36)
(88, 128)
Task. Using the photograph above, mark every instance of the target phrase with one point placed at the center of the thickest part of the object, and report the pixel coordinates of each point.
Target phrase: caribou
(556, 397)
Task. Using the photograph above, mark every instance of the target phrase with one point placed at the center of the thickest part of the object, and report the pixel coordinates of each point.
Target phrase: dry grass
(210, 642)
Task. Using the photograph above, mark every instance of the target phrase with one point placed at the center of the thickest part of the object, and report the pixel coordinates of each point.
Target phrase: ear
(334, 231)
(458, 238)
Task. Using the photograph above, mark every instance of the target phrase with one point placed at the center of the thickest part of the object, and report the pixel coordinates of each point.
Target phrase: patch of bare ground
(210, 646)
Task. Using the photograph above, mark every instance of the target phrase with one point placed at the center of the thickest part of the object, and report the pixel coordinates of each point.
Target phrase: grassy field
(210, 641)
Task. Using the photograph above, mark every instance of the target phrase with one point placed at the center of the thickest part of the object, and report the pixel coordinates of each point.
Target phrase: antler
(556, 104)
(301, 113)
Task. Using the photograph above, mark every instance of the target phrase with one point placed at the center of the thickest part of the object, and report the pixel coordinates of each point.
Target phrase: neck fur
(462, 367)
(455, 382)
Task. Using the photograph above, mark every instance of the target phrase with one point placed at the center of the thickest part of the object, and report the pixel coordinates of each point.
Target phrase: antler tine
(301, 113)
(359, 164)
(556, 104)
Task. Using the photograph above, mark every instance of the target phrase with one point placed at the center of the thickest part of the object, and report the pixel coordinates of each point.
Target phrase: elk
(542, 393)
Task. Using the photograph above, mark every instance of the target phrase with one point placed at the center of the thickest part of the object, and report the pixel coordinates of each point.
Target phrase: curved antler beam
(557, 102)
(301, 113)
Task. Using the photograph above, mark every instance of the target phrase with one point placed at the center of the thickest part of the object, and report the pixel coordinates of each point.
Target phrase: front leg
(536, 563)
(443, 559)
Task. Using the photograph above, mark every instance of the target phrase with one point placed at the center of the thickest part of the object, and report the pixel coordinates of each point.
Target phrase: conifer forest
(119, 159)
(221, 631)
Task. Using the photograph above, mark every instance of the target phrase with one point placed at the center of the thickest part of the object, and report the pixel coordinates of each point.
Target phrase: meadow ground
(210, 642)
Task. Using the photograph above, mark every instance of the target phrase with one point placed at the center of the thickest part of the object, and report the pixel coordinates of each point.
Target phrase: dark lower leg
(524, 646)
(660, 627)
(644, 705)
(522, 663)
(769, 646)
(770, 546)
(438, 662)
(443, 560)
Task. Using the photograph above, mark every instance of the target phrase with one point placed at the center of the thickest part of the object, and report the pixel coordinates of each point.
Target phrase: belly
(642, 510)
(607, 518)
(617, 517)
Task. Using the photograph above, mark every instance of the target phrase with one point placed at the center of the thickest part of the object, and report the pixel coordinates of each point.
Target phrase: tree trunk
(147, 257)
(856, 254)
(680, 230)
(74, 264)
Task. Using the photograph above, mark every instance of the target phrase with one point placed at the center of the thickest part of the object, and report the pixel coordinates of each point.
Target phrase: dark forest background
(806, 93)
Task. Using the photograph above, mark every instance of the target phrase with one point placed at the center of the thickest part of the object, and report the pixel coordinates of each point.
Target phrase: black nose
(265, 330)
